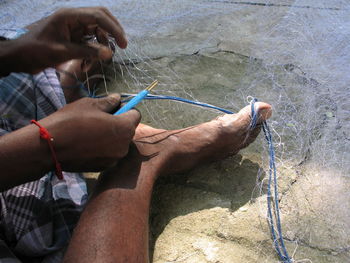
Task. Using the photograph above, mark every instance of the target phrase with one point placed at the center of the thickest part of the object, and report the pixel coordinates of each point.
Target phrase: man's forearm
(24, 157)
(9, 57)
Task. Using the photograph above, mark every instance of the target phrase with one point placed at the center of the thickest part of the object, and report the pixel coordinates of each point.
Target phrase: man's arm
(58, 38)
(86, 138)
(24, 157)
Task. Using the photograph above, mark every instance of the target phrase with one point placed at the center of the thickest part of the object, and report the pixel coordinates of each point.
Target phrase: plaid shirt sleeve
(36, 218)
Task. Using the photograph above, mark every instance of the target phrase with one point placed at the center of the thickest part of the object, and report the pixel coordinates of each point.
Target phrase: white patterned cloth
(36, 218)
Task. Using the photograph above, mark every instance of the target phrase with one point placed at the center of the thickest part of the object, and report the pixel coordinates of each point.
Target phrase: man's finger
(132, 116)
(102, 36)
(104, 52)
(68, 51)
(111, 16)
(114, 29)
(91, 16)
(109, 104)
(53, 54)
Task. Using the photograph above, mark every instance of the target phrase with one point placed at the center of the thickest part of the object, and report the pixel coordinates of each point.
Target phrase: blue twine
(254, 117)
(276, 235)
(162, 97)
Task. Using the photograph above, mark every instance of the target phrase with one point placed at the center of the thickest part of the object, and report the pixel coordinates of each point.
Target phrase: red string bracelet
(44, 134)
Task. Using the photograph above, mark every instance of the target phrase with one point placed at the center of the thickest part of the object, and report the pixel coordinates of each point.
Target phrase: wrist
(45, 135)
(41, 150)
(24, 157)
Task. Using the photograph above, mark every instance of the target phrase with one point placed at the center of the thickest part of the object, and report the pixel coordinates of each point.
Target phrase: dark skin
(119, 207)
(76, 150)
(114, 224)
(58, 38)
(74, 129)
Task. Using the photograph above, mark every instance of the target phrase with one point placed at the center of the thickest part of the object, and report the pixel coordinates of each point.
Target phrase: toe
(263, 109)
(240, 124)
(243, 118)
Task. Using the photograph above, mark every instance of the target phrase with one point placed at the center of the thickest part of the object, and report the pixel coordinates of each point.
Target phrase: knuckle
(113, 100)
(62, 13)
(104, 9)
(86, 101)
(110, 101)
(99, 15)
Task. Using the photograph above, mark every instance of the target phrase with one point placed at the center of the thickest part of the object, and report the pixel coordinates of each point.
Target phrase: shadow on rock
(226, 184)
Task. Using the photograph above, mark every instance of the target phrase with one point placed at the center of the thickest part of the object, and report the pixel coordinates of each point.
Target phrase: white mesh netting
(292, 54)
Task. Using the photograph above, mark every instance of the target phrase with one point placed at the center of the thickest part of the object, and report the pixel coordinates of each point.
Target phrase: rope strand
(276, 234)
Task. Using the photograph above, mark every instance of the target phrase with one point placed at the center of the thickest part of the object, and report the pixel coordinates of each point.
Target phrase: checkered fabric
(36, 218)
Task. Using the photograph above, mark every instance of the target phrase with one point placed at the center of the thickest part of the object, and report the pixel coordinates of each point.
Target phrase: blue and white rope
(276, 234)
(275, 225)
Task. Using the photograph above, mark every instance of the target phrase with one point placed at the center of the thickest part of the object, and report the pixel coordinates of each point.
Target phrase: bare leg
(114, 225)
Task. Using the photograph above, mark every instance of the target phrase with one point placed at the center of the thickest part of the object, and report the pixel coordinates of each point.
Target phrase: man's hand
(87, 137)
(59, 38)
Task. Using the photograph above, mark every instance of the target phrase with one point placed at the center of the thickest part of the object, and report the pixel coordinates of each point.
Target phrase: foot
(179, 150)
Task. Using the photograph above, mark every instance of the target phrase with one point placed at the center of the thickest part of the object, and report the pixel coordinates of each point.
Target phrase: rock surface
(217, 213)
(292, 54)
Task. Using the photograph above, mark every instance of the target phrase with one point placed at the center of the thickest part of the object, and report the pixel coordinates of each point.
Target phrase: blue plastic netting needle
(137, 99)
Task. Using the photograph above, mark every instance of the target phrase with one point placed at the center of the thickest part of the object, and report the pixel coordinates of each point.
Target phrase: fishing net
(292, 54)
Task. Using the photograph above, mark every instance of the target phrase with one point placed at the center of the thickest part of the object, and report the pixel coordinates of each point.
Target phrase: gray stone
(217, 213)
